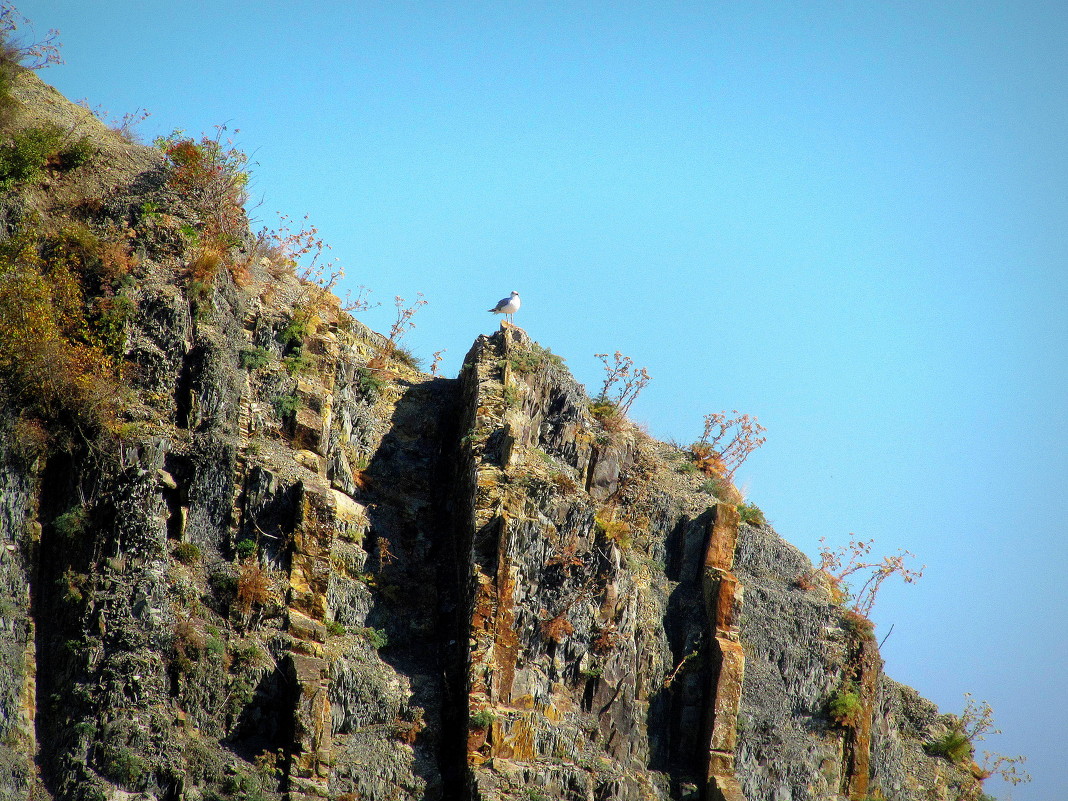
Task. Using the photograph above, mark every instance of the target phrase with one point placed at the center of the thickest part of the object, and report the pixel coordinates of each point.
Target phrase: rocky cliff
(255, 554)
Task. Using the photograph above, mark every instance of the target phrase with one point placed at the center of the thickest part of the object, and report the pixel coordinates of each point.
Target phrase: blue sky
(845, 218)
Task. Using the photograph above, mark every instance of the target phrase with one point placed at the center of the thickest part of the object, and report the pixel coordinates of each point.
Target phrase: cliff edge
(249, 551)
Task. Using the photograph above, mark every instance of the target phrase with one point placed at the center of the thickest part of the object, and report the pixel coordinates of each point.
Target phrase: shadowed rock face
(353, 580)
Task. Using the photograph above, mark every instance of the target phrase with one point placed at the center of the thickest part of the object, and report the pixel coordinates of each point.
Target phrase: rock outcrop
(295, 566)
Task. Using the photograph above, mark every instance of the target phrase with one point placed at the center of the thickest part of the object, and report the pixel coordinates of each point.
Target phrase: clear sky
(848, 219)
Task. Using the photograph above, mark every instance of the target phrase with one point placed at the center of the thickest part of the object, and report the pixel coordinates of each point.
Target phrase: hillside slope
(250, 552)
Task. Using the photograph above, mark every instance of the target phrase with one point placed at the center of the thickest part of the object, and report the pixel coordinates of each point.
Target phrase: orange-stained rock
(723, 712)
(722, 537)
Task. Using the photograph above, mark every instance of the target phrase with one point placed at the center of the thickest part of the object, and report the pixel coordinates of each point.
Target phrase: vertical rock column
(858, 738)
(309, 574)
(723, 599)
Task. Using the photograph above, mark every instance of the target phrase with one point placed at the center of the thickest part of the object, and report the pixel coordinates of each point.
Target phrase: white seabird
(507, 306)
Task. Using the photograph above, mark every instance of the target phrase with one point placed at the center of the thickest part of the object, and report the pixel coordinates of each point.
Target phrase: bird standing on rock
(507, 306)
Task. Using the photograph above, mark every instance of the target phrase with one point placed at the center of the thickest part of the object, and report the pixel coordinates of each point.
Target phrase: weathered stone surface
(413, 588)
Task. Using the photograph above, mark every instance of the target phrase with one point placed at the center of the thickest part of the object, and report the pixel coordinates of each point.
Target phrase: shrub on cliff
(845, 707)
(32, 150)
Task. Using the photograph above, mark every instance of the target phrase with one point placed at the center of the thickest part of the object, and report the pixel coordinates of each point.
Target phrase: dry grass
(253, 587)
(557, 628)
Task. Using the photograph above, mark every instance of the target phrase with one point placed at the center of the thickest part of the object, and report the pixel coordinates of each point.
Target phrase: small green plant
(72, 523)
(245, 548)
(335, 629)
(254, 359)
(298, 364)
(751, 514)
(215, 646)
(286, 405)
(482, 719)
(591, 673)
(125, 766)
(710, 486)
(295, 331)
(376, 638)
(371, 385)
(187, 553)
(512, 396)
(974, 724)
(686, 468)
(953, 745)
(845, 707)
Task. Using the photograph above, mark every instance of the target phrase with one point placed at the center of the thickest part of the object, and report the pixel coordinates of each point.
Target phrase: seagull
(507, 306)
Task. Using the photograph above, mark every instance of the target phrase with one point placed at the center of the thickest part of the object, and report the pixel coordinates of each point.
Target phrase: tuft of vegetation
(295, 331)
(210, 174)
(335, 629)
(245, 548)
(391, 348)
(62, 328)
(859, 627)
(556, 629)
(958, 744)
(16, 53)
(369, 382)
(845, 707)
(953, 745)
(72, 523)
(617, 531)
(482, 719)
(751, 514)
(298, 364)
(533, 359)
(253, 587)
(376, 638)
(621, 387)
(252, 359)
(847, 560)
(31, 151)
(187, 553)
(726, 442)
(286, 405)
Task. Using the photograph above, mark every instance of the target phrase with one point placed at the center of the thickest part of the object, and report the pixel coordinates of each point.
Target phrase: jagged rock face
(299, 570)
